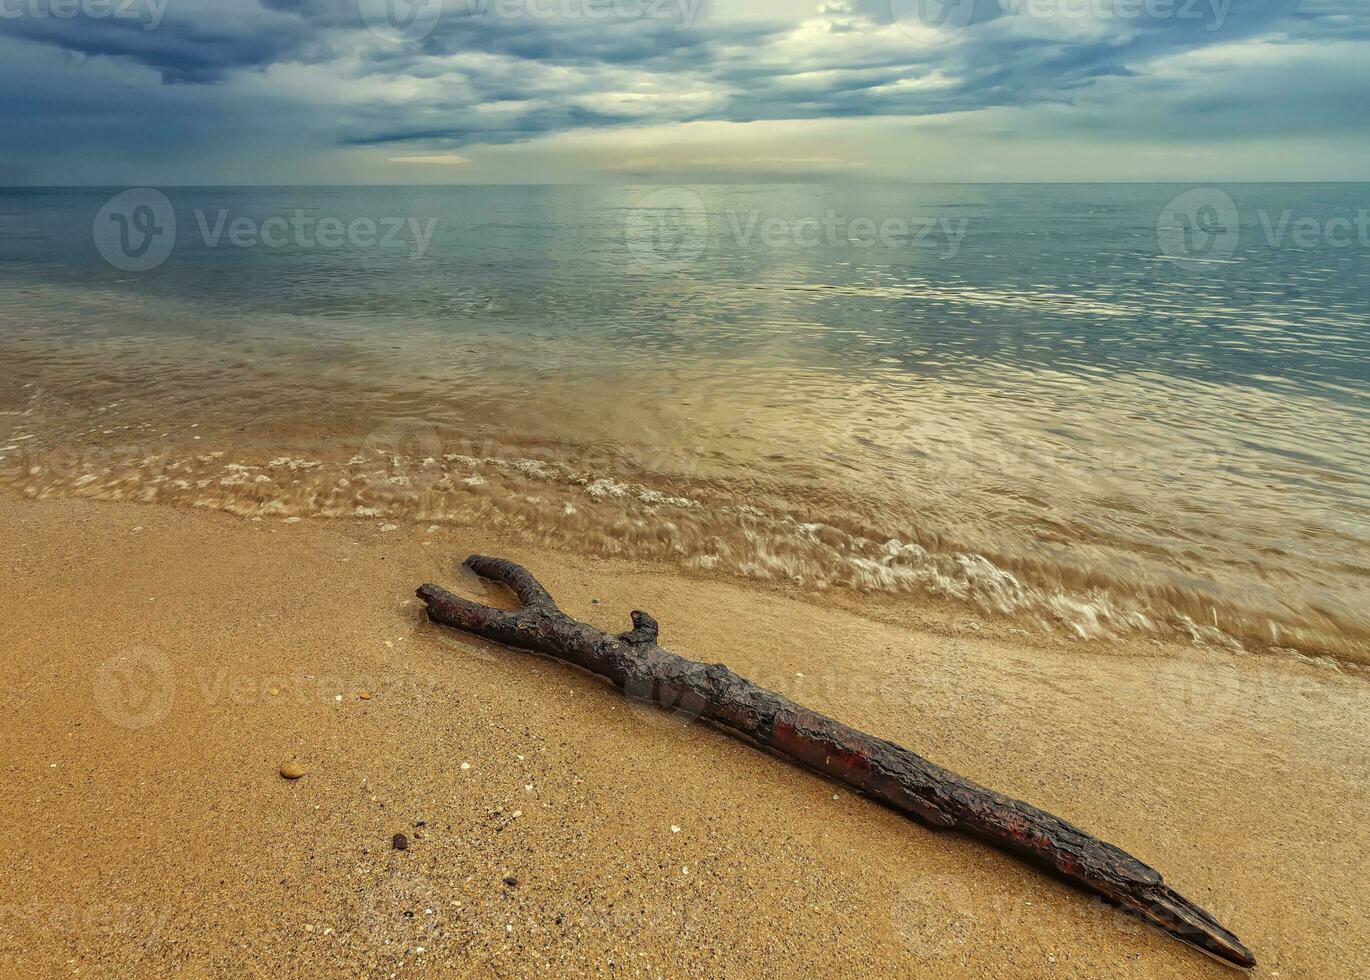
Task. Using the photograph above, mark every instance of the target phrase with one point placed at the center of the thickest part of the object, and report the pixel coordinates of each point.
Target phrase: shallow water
(1013, 396)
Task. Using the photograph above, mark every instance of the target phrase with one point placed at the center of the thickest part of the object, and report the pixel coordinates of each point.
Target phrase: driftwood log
(907, 782)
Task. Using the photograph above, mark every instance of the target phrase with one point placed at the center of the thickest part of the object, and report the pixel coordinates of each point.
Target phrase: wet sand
(160, 665)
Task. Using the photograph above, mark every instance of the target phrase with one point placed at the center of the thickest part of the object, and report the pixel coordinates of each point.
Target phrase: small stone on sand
(511, 881)
(365, 695)
(292, 770)
(400, 842)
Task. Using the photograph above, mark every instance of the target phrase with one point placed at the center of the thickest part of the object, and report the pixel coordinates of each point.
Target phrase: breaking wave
(711, 527)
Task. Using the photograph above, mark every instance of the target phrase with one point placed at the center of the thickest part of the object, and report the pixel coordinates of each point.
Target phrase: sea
(1092, 410)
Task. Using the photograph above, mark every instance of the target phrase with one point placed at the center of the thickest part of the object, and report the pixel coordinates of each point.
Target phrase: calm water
(1078, 406)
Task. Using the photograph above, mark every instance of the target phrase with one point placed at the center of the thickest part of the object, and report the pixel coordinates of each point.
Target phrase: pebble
(275, 691)
(511, 881)
(390, 527)
(675, 829)
(365, 695)
(466, 765)
(400, 842)
(292, 770)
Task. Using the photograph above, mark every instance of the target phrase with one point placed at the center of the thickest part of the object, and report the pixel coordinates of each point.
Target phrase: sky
(168, 92)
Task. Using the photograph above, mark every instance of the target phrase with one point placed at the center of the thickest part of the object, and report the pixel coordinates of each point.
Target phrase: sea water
(1098, 409)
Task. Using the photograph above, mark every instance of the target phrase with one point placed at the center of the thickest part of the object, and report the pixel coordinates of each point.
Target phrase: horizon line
(694, 183)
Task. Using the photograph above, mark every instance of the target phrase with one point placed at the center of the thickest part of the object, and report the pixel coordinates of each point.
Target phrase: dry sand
(159, 666)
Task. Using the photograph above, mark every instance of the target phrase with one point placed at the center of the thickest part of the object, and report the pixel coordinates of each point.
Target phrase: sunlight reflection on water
(1052, 422)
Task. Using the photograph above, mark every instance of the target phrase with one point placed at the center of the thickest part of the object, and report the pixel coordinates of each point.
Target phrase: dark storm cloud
(481, 77)
(994, 60)
(183, 45)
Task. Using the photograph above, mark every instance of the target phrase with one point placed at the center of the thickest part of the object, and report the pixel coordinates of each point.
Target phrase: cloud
(499, 72)
(431, 160)
(487, 80)
(184, 41)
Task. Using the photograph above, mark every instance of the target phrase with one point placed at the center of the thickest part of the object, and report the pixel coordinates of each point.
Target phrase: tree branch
(635, 663)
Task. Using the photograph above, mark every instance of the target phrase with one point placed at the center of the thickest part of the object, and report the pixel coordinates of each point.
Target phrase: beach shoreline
(1071, 515)
(163, 663)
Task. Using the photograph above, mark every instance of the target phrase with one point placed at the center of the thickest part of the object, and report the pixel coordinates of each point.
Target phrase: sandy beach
(160, 665)
(960, 407)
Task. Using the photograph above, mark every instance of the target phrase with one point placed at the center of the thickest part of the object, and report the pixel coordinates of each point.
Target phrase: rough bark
(907, 782)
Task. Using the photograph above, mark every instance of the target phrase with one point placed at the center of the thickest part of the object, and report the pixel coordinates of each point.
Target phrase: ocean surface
(1094, 409)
